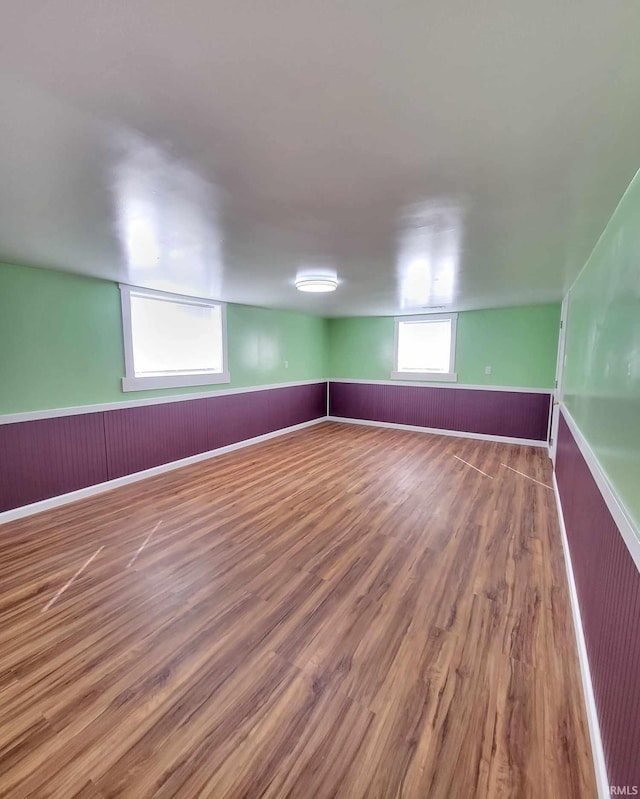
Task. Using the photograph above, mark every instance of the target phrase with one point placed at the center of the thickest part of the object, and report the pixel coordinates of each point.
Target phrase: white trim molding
(132, 381)
(530, 442)
(602, 780)
(442, 377)
(51, 413)
(514, 389)
(628, 530)
(99, 488)
(136, 383)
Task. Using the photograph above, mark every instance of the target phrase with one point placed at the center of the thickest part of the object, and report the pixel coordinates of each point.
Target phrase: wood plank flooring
(341, 612)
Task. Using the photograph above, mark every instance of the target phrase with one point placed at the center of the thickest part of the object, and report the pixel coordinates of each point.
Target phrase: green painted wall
(520, 344)
(602, 373)
(61, 343)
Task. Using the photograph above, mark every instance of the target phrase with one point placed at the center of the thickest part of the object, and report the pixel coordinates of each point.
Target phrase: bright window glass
(424, 346)
(172, 340)
(175, 337)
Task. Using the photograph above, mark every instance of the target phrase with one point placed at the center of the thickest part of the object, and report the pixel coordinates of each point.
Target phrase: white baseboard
(602, 781)
(435, 431)
(82, 493)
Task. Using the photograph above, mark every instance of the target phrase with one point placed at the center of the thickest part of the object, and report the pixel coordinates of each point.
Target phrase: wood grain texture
(340, 612)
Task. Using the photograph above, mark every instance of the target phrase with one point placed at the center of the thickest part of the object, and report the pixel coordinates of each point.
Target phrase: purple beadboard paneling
(608, 586)
(236, 417)
(500, 413)
(150, 435)
(47, 457)
(428, 407)
(147, 436)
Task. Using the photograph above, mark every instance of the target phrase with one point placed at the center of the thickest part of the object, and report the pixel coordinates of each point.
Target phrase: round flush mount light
(316, 285)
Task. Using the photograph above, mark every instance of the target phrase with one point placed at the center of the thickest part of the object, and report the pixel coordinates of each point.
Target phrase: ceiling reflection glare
(428, 255)
(167, 221)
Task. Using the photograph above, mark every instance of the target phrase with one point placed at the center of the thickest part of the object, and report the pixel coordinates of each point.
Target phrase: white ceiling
(431, 153)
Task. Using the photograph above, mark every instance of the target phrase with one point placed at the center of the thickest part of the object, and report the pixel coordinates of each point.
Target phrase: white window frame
(448, 377)
(133, 382)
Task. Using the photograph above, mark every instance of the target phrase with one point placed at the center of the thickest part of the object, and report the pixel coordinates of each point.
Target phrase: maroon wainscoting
(499, 413)
(48, 457)
(143, 437)
(150, 435)
(239, 416)
(608, 586)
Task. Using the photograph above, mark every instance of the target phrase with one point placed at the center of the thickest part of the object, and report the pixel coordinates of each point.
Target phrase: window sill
(173, 381)
(431, 377)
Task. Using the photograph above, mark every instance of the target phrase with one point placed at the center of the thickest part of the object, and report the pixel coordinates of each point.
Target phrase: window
(171, 340)
(425, 348)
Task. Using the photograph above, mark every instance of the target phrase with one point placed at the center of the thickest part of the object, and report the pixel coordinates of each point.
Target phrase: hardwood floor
(341, 612)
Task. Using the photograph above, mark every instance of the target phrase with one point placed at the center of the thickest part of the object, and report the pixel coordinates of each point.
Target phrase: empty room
(319, 399)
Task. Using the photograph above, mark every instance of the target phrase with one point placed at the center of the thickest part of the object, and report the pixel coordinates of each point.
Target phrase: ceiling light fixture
(316, 284)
